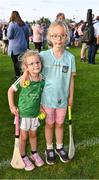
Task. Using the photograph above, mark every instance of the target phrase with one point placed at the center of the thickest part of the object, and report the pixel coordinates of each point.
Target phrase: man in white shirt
(96, 29)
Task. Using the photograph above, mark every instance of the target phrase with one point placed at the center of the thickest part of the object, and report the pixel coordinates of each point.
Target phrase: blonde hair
(27, 54)
(52, 26)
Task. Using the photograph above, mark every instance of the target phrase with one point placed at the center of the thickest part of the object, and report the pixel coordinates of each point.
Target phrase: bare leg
(33, 140)
(83, 51)
(23, 138)
(49, 133)
(59, 133)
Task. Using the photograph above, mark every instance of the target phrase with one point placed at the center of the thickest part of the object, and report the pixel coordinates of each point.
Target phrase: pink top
(37, 33)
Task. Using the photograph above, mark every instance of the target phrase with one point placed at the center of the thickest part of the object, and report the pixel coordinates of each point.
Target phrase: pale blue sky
(35, 9)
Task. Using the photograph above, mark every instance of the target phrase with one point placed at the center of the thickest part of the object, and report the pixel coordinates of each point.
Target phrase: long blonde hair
(52, 26)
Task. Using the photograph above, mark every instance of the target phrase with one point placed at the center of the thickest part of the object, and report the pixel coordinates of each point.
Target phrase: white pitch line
(88, 143)
(85, 143)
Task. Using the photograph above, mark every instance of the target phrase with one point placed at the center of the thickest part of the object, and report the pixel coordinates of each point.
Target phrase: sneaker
(50, 156)
(83, 59)
(67, 47)
(62, 155)
(28, 164)
(37, 159)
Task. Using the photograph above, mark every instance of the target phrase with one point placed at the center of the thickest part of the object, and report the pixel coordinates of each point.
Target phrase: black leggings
(16, 64)
(38, 45)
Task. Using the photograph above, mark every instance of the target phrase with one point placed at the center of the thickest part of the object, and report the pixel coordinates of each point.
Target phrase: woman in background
(18, 34)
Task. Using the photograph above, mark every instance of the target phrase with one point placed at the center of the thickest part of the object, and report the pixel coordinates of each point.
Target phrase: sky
(35, 9)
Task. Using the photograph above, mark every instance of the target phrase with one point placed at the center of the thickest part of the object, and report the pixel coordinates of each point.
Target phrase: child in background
(28, 107)
(60, 17)
(58, 71)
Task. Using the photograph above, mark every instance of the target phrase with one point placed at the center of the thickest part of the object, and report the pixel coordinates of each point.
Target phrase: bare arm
(71, 91)
(13, 108)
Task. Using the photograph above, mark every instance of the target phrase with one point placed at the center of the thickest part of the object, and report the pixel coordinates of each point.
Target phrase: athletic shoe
(50, 156)
(67, 47)
(28, 164)
(37, 159)
(83, 59)
(62, 155)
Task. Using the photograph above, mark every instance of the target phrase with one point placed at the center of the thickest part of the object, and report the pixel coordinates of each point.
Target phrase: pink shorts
(55, 115)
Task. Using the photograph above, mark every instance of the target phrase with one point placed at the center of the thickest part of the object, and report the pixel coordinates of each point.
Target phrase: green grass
(85, 115)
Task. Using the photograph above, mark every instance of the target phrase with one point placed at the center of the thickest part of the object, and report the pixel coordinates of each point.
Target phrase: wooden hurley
(17, 161)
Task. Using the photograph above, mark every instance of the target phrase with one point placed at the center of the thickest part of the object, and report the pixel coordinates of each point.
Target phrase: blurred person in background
(76, 36)
(96, 31)
(84, 47)
(18, 34)
(60, 17)
(38, 35)
(94, 43)
(4, 38)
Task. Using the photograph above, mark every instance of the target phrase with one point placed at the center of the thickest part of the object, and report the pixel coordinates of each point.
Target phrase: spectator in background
(1, 43)
(4, 38)
(37, 35)
(76, 36)
(84, 44)
(44, 27)
(96, 30)
(60, 17)
(18, 34)
(95, 44)
(0, 32)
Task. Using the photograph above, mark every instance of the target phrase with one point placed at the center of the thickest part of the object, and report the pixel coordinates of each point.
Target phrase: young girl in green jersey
(28, 107)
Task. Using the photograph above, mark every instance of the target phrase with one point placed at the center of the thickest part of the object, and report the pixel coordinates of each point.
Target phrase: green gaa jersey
(29, 98)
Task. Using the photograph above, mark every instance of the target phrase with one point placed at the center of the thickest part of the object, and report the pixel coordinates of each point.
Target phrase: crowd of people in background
(38, 32)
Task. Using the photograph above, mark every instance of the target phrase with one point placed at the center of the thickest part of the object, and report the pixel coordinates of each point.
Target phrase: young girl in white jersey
(59, 71)
(28, 107)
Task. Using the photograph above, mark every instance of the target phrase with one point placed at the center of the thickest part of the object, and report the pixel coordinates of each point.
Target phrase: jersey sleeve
(16, 84)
